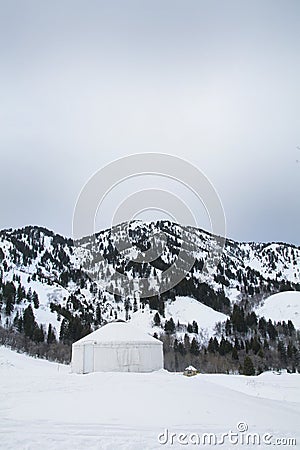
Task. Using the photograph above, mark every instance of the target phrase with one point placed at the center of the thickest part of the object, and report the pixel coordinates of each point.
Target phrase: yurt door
(88, 362)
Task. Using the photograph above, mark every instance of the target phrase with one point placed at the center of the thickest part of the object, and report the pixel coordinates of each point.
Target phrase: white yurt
(117, 347)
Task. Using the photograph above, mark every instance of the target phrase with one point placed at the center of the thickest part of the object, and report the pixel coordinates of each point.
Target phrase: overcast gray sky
(215, 82)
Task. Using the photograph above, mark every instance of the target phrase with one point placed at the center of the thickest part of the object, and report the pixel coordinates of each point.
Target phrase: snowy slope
(185, 310)
(43, 405)
(282, 306)
(47, 294)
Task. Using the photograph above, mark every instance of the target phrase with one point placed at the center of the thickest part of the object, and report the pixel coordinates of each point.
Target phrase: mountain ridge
(52, 277)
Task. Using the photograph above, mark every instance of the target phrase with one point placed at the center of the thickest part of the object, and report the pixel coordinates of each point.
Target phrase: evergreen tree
(189, 328)
(161, 307)
(195, 327)
(29, 323)
(187, 343)
(50, 335)
(29, 295)
(170, 326)
(262, 326)
(35, 299)
(255, 345)
(272, 332)
(20, 294)
(228, 327)
(248, 368)
(225, 347)
(194, 347)
(98, 314)
(9, 297)
(236, 344)
(291, 327)
(213, 345)
(251, 320)
(38, 334)
(238, 319)
(290, 352)
(234, 354)
(156, 320)
(282, 352)
(9, 306)
(211, 348)
(20, 324)
(64, 332)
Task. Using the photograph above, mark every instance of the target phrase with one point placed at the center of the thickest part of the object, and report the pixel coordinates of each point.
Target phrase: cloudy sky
(214, 82)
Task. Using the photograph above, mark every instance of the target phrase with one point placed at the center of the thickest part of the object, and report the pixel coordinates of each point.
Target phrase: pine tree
(20, 324)
(228, 327)
(189, 328)
(251, 320)
(238, 319)
(211, 347)
(290, 352)
(20, 294)
(272, 332)
(195, 327)
(234, 354)
(255, 345)
(127, 306)
(9, 296)
(169, 326)
(187, 344)
(9, 307)
(64, 331)
(262, 326)
(29, 323)
(248, 368)
(291, 327)
(157, 320)
(50, 335)
(16, 320)
(29, 295)
(98, 314)
(161, 307)
(38, 334)
(35, 299)
(236, 344)
(282, 351)
(194, 347)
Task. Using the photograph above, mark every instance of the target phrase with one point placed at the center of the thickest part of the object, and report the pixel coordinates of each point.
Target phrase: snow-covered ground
(43, 405)
(187, 309)
(182, 309)
(282, 306)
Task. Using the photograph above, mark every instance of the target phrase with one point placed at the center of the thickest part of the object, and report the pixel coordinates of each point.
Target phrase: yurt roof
(119, 332)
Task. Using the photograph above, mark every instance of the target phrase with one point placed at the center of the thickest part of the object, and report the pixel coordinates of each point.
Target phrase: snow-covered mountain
(36, 260)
